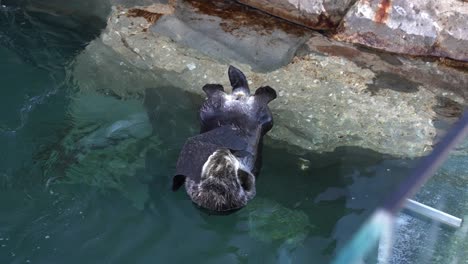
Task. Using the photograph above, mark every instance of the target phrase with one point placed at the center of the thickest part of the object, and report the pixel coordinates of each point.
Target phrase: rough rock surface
(437, 28)
(325, 101)
(401, 73)
(427, 28)
(316, 14)
(220, 30)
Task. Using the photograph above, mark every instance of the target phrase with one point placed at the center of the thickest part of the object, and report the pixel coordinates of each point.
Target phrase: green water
(68, 195)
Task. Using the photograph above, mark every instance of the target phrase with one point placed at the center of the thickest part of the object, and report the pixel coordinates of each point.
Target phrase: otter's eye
(246, 180)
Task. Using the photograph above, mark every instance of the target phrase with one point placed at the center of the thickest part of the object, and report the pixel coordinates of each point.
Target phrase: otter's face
(224, 184)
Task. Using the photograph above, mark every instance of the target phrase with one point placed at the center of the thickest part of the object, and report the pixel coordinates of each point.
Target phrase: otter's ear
(177, 182)
(265, 94)
(246, 179)
(210, 89)
(238, 80)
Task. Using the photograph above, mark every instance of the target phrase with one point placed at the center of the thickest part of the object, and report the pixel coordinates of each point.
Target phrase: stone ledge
(325, 101)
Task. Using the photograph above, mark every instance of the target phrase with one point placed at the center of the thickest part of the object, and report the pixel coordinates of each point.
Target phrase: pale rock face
(325, 100)
(330, 94)
(436, 28)
(316, 14)
(227, 35)
(308, 6)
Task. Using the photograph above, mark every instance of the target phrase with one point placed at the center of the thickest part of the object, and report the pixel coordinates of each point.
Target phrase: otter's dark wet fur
(219, 167)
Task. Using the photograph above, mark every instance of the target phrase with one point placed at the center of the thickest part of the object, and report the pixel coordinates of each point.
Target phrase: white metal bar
(433, 213)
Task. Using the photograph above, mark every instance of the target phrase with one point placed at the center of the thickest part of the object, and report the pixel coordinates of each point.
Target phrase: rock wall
(435, 28)
(422, 27)
(316, 14)
(330, 94)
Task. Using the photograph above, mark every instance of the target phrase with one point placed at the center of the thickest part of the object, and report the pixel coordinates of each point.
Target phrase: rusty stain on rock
(381, 15)
(149, 16)
(324, 21)
(369, 39)
(236, 15)
(152, 12)
(460, 65)
(335, 50)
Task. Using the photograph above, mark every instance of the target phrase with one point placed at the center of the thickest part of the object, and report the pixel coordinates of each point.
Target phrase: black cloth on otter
(197, 149)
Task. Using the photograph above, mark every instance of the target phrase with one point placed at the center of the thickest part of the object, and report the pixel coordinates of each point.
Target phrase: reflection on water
(423, 240)
(85, 177)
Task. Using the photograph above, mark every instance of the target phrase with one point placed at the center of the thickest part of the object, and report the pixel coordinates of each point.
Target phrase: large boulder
(325, 100)
(398, 72)
(421, 27)
(227, 30)
(316, 14)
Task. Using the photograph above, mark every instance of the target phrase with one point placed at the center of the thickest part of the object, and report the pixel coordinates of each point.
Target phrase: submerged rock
(435, 28)
(106, 146)
(135, 126)
(270, 222)
(126, 120)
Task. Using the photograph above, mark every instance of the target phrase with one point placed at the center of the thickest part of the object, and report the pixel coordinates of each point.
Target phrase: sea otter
(219, 166)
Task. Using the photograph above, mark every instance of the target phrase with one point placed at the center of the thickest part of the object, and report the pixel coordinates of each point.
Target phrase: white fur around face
(209, 163)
